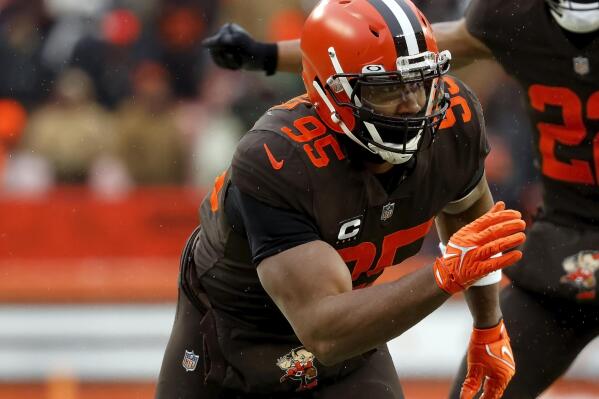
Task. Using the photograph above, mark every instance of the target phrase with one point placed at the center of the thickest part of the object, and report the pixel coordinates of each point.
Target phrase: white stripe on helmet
(406, 26)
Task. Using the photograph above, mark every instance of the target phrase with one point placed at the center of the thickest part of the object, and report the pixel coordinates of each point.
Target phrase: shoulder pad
(268, 167)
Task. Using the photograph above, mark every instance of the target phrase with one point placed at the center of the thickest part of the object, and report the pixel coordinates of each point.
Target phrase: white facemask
(578, 17)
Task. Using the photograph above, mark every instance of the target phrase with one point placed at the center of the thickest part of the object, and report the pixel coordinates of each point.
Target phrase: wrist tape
(489, 279)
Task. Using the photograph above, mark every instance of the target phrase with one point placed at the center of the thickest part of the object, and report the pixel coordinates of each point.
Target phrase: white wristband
(442, 248)
(491, 278)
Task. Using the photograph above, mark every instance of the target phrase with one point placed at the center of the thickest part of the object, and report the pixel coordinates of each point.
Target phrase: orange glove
(469, 250)
(489, 358)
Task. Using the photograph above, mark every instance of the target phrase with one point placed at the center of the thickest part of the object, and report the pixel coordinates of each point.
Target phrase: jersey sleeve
(269, 230)
(271, 194)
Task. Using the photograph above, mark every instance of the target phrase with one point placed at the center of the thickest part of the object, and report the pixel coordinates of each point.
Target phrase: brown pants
(210, 356)
(189, 371)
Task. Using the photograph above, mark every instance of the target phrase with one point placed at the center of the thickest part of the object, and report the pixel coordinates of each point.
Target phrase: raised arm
(464, 47)
(234, 48)
(289, 56)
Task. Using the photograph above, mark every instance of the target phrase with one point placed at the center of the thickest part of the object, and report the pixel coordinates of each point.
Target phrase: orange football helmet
(356, 52)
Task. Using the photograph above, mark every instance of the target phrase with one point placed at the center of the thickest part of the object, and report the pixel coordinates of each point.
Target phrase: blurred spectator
(23, 26)
(256, 16)
(148, 139)
(213, 127)
(72, 22)
(71, 131)
(111, 54)
(170, 34)
(182, 24)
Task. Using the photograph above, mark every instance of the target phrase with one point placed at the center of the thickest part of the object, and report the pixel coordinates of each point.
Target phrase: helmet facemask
(397, 112)
(581, 16)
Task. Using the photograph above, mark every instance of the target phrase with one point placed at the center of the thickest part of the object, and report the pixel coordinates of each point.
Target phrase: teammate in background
(552, 48)
(323, 193)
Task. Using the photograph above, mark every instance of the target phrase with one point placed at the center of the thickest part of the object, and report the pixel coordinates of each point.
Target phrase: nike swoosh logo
(449, 256)
(276, 165)
(506, 352)
(504, 349)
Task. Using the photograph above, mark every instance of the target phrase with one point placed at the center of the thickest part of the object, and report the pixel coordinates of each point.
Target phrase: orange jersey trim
(293, 103)
(218, 185)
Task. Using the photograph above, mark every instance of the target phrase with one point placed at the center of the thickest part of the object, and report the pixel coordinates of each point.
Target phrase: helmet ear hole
(374, 31)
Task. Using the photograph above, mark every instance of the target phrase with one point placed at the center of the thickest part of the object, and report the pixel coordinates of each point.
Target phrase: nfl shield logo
(190, 361)
(581, 65)
(387, 211)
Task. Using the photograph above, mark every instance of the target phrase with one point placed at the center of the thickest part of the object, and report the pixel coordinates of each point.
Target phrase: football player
(325, 192)
(552, 48)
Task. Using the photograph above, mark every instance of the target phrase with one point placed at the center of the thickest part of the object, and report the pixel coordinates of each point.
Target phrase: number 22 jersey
(561, 82)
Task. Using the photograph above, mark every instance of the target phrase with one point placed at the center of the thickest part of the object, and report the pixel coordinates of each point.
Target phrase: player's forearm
(483, 301)
(464, 48)
(289, 56)
(342, 326)
(484, 305)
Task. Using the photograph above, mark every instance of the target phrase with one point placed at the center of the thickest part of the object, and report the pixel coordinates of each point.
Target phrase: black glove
(233, 48)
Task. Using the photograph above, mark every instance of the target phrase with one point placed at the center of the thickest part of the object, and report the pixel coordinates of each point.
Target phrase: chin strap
(395, 158)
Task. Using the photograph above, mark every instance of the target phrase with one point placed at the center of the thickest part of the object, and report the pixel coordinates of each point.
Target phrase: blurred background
(113, 125)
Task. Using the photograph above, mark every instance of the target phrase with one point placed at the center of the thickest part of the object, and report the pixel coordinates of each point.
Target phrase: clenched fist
(233, 48)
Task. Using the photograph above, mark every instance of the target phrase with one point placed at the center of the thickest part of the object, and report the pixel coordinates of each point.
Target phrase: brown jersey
(561, 82)
(290, 161)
